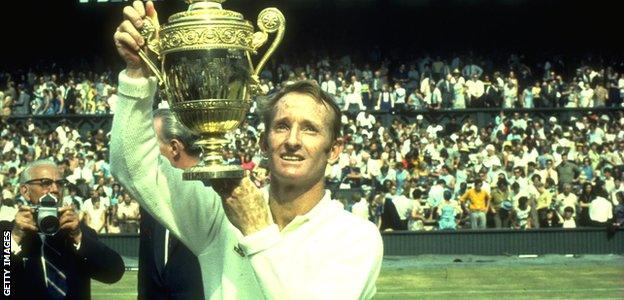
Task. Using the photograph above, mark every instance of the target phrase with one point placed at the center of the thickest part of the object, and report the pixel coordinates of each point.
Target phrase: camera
(46, 214)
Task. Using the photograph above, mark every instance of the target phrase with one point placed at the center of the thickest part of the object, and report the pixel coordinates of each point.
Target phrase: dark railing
(505, 242)
(476, 242)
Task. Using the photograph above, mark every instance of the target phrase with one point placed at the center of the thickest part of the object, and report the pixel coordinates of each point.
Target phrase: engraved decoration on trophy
(204, 66)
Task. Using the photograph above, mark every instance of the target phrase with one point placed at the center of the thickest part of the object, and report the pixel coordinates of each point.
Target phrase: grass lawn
(444, 277)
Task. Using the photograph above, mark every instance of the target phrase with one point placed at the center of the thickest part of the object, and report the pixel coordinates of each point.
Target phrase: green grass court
(473, 277)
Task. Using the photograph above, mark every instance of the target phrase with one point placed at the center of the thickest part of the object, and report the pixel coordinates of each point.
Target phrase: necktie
(55, 279)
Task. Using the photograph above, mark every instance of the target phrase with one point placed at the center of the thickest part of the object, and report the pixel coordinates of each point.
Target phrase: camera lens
(49, 225)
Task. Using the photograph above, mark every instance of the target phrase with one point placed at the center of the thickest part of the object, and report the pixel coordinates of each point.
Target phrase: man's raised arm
(191, 211)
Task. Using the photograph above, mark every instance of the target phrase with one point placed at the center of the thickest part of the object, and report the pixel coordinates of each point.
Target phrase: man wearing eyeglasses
(58, 265)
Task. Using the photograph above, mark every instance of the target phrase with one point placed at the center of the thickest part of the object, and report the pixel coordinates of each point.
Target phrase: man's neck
(186, 161)
(288, 201)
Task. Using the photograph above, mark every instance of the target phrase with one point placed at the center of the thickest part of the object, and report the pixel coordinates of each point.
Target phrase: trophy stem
(213, 167)
(212, 145)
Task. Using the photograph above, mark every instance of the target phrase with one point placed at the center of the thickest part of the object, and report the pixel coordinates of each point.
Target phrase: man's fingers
(131, 15)
(68, 217)
(21, 222)
(126, 26)
(23, 208)
(230, 203)
(63, 209)
(125, 40)
(26, 225)
(71, 226)
(247, 183)
(238, 192)
(245, 188)
(130, 55)
(139, 8)
(151, 13)
(29, 227)
(24, 215)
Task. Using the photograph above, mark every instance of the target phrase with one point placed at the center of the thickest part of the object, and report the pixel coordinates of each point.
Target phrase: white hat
(419, 117)
(605, 118)
(572, 118)
(552, 119)
(490, 147)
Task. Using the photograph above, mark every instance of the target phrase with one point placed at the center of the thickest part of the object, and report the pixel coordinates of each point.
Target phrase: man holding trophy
(287, 241)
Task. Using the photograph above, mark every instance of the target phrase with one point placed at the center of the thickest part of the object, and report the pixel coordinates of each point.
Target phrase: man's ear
(264, 143)
(24, 192)
(335, 150)
(177, 147)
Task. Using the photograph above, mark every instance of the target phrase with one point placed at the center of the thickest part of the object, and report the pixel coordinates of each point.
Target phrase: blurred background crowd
(400, 168)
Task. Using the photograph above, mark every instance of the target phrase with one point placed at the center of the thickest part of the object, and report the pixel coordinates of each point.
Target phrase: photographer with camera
(53, 255)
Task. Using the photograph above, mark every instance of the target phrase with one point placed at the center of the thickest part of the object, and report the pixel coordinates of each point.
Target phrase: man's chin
(289, 176)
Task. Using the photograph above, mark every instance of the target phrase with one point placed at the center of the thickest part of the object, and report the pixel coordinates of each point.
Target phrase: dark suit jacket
(180, 279)
(93, 260)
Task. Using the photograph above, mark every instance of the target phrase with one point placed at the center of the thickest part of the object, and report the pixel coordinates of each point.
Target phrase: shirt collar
(317, 211)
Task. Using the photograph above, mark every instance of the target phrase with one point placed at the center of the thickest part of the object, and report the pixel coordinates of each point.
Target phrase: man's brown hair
(306, 87)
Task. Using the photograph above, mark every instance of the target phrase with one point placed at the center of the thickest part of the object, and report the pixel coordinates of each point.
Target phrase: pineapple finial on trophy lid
(196, 1)
(204, 4)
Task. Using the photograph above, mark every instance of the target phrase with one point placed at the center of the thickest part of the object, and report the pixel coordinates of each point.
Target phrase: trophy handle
(149, 32)
(269, 20)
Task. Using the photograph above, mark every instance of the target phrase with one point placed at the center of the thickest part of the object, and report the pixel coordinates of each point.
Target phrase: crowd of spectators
(425, 82)
(57, 93)
(83, 159)
(458, 81)
(518, 171)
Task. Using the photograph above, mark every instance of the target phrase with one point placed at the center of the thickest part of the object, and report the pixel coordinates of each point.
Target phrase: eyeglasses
(47, 182)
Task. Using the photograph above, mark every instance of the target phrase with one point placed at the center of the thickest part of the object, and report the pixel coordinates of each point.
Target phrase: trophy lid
(208, 11)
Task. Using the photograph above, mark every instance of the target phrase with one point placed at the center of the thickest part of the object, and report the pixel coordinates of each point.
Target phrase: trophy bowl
(207, 75)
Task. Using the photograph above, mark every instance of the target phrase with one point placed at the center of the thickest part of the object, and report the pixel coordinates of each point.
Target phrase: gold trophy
(207, 76)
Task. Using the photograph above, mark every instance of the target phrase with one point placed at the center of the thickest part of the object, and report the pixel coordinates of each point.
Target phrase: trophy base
(222, 178)
(207, 173)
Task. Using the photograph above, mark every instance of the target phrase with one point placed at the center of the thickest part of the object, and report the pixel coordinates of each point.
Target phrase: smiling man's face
(300, 140)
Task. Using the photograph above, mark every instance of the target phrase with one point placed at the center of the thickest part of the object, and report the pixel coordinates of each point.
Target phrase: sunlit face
(44, 180)
(299, 142)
